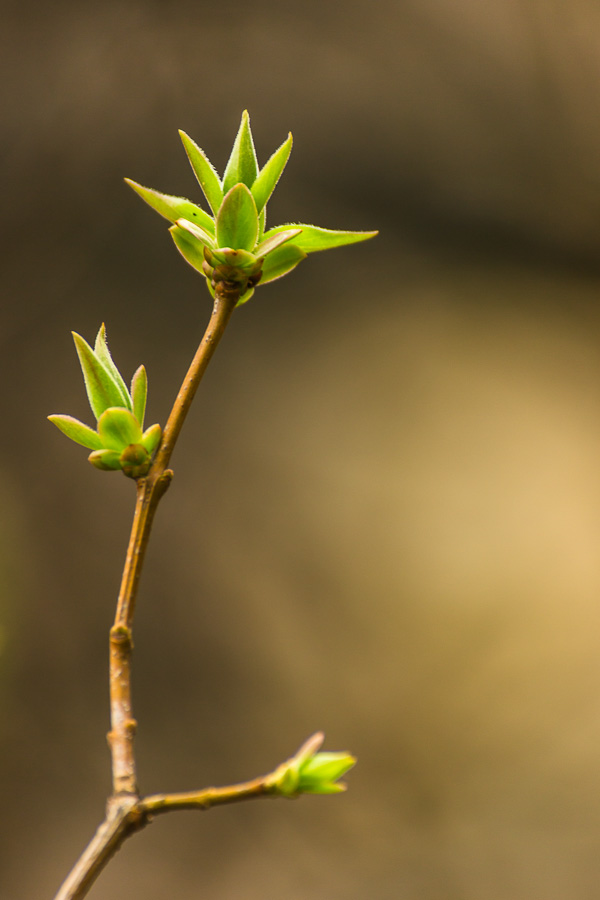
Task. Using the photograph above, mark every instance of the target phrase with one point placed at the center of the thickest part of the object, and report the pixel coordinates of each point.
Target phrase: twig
(125, 812)
(129, 814)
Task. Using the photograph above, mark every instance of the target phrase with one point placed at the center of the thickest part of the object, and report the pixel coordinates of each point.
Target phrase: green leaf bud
(239, 206)
(242, 166)
(151, 438)
(77, 431)
(237, 222)
(135, 461)
(311, 772)
(320, 773)
(108, 460)
(118, 428)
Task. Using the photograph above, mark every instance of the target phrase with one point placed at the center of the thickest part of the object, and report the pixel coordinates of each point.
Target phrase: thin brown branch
(120, 821)
(150, 490)
(125, 813)
(212, 796)
(129, 814)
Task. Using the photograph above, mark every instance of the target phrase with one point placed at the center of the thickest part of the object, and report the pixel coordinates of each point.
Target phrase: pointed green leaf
(109, 460)
(102, 389)
(204, 171)
(242, 165)
(173, 208)
(266, 247)
(314, 238)
(198, 232)
(237, 222)
(151, 438)
(103, 353)
(77, 431)
(270, 174)
(118, 428)
(139, 391)
(262, 223)
(190, 248)
(280, 262)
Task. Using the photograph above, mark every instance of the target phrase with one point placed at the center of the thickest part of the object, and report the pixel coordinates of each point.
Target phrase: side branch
(212, 796)
(129, 814)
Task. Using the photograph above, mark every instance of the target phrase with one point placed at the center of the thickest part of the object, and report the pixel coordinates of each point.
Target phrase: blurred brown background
(385, 520)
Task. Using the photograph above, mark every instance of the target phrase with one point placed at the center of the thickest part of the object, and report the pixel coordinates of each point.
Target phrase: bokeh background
(385, 519)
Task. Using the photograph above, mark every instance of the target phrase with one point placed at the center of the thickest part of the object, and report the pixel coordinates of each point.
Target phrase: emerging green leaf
(108, 460)
(173, 208)
(103, 353)
(199, 233)
(237, 222)
(139, 391)
(118, 428)
(204, 172)
(320, 773)
(77, 431)
(262, 223)
(266, 247)
(102, 389)
(270, 174)
(242, 165)
(280, 262)
(245, 297)
(314, 238)
(151, 438)
(190, 248)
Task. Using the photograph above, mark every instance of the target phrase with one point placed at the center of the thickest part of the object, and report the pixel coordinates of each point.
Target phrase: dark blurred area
(385, 518)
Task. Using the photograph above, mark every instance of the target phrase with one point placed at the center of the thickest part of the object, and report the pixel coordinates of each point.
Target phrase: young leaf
(242, 165)
(103, 353)
(204, 172)
(139, 390)
(118, 428)
(280, 262)
(245, 297)
(78, 432)
(102, 389)
(262, 223)
(270, 174)
(173, 208)
(314, 238)
(109, 460)
(190, 248)
(266, 247)
(151, 438)
(197, 232)
(237, 222)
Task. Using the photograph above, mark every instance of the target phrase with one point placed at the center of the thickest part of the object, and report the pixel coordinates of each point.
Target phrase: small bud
(311, 772)
(135, 461)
